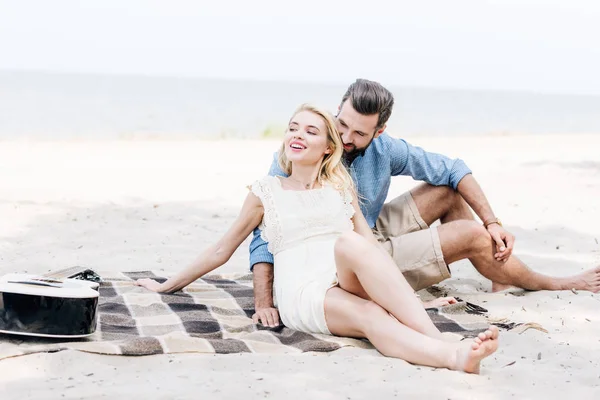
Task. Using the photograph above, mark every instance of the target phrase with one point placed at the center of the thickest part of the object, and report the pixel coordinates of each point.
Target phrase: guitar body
(46, 306)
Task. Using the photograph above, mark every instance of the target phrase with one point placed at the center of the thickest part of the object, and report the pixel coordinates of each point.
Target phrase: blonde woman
(331, 276)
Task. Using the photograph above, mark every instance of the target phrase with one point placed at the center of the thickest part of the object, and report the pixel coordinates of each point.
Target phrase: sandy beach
(154, 204)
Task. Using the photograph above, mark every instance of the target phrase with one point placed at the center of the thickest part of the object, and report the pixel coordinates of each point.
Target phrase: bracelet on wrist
(489, 222)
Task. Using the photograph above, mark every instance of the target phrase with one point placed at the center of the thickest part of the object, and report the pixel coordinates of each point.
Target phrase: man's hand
(268, 316)
(470, 190)
(265, 310)
(504, 242)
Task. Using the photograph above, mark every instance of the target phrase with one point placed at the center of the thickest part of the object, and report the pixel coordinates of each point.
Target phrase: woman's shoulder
(262, 185)
(266, 179)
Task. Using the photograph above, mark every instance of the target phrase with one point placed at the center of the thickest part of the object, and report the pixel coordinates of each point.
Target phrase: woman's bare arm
(218, 253)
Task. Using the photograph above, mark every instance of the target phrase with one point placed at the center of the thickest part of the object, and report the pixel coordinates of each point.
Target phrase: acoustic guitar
(60, 304)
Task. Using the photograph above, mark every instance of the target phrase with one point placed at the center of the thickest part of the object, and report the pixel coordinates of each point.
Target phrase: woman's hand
(439, 302)
(149, 284)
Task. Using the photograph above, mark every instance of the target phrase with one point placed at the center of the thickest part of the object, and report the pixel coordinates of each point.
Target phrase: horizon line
(290, 81)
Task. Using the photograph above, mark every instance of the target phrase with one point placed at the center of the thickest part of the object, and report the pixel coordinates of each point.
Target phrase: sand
(133, 205)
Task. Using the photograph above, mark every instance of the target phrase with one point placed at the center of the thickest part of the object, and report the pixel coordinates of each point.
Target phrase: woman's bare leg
(361, 266)
(351, 316)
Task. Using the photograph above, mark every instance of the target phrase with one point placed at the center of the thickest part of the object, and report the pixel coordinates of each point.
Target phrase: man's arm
(265, 311)
(437, 169)
(470, 190)
(261, 265)
(433, 168)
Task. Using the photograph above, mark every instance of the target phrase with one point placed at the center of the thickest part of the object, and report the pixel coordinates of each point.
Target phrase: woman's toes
(495, 332)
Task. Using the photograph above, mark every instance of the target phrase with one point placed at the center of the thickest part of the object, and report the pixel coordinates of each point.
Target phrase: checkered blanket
(212, 315)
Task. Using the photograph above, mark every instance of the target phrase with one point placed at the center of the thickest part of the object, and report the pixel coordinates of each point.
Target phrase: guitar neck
(65, 273)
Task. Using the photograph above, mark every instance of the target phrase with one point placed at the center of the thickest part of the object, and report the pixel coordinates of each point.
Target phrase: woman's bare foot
(469, 356)
(588, 280)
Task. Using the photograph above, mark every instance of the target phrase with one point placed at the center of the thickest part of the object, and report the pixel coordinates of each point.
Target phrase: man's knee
(433, 193)
(451, 197)
(436, 201)
(475, 235)
(461, 205)
(447, 195)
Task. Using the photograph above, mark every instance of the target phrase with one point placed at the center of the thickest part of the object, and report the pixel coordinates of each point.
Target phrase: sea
(68, 106)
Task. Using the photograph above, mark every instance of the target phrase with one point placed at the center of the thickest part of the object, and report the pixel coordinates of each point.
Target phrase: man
(402, 226)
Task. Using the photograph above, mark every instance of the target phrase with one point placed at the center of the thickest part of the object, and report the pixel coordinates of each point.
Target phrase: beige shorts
(414, 246)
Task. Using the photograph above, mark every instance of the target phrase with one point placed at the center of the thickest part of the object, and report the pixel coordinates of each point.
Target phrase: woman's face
(306, 139)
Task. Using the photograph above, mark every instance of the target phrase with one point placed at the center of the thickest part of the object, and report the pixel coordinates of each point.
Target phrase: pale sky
(537, 45)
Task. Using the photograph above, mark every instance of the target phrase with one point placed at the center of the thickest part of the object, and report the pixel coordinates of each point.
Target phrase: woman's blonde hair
(332, 170)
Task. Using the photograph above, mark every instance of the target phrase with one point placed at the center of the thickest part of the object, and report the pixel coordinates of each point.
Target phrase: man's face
(357, 130)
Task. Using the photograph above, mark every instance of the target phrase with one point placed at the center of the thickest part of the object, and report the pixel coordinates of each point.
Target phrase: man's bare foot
(469, 355)
(588, 280)
(498, 287)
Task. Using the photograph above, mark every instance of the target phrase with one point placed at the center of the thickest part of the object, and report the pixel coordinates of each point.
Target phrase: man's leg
(445, 204)
(440, 202)
(416, 250)
(468, 239)
(465, 238)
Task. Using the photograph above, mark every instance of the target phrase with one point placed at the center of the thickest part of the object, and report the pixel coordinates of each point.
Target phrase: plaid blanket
(212, 315)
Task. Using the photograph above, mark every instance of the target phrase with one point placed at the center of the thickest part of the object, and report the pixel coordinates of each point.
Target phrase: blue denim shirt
(372, 173)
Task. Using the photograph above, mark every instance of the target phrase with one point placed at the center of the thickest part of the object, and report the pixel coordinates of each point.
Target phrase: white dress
(301, 228)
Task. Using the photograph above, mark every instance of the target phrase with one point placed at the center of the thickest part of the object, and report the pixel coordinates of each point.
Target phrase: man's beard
(353, 153)
(350, 155)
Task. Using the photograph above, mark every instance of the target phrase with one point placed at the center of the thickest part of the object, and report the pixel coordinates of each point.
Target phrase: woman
(331, 276)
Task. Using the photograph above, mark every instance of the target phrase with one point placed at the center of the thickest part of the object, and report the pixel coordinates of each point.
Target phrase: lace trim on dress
(269, 226)
(348, 207)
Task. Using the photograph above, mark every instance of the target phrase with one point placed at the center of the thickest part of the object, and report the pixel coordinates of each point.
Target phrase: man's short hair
(369, 98)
